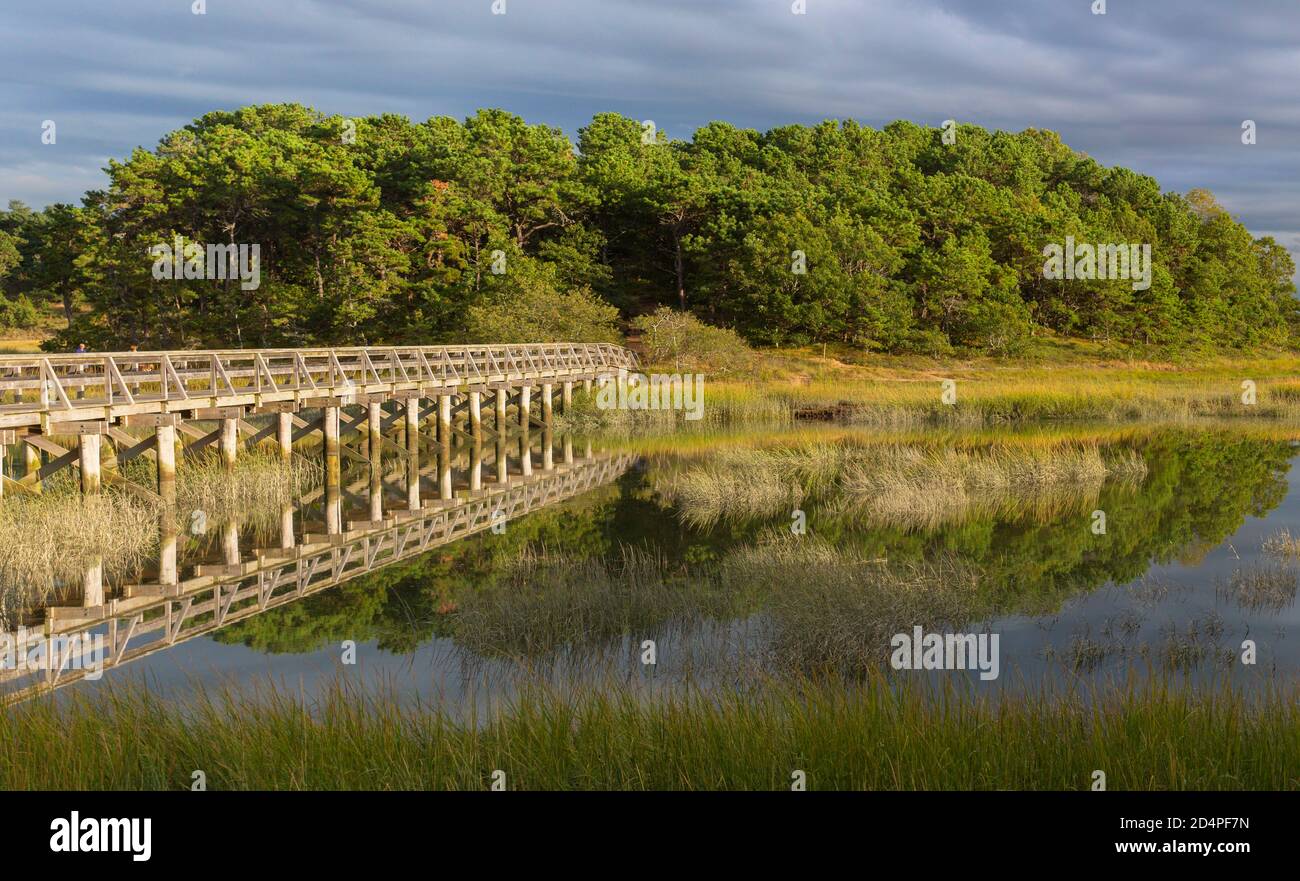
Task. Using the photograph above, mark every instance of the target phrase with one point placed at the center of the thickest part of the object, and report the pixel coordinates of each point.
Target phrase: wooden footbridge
(164, 612)
(59, 408)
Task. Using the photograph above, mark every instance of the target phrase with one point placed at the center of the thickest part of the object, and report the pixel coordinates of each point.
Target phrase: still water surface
(1178, 580)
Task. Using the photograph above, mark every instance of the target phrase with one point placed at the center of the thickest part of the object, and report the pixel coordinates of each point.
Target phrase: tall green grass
(860, 735)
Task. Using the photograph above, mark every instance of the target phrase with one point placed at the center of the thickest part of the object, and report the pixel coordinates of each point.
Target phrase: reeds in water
(51, 539)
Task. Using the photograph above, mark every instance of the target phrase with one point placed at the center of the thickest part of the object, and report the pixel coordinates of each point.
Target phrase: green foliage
(18, 313)
(527, 305)
(378, 229)
(689, 345)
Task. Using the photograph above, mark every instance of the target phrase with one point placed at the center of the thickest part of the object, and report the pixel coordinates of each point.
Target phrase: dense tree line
(377, 229)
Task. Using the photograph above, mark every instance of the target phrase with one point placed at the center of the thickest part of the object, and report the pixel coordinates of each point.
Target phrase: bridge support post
(229, 441)
(92, 584)
(525, 402)
(548, 450)
(566, 398)
(284, 434)
(568, 449)
(3, 441)
(375, 429)
(502, 462)
(502, 398)
(476, 414)
(444, 468)
(412, 437)
(167, 535)
(333, 472)
(476, 465)
(548, 394)
(586, 387)
(412, 456)
(286, 527)
(32, 466)
(165, 440)
(444, 420)
(376, 493)
(525, 453)
(230, 542)
(88, 460)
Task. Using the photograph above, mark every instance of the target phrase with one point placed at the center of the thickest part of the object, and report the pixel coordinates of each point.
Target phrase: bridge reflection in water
(104, 632)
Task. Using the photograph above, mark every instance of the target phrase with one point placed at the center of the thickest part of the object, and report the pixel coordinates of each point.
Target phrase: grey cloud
(1159, 85)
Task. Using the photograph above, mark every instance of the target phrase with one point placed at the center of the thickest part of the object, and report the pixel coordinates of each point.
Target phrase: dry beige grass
(51, 539)
(919, 484)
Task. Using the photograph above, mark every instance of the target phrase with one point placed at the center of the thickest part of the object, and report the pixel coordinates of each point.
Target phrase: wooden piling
(230, 542)
(165, 443)
(375, 429)
(229, 441)
(284, 435)
(88, 453)
(476, 465)
(286, 527)
(376, 493)
(92, 585)
(32, 467)
(168, 571)
(444, 470)
(548, 392)
(444, 420)
(525, 402)
(476, 414)
(333, 473)
(412, 422)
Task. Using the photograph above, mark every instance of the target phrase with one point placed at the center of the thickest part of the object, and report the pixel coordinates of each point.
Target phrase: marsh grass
(545, 602)
(1179, 649)
(922, 484)
(811, 607)
(868, 734)
(926, 486)
(51, 539)
(1268, 587)
(832, 610)
(1282, 544)
(904, 392)
(253, 493)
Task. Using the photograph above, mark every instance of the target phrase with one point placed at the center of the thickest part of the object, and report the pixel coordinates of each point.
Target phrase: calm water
(1177, 582)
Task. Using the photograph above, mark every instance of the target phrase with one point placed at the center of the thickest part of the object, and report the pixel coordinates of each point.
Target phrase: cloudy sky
(1161, 86)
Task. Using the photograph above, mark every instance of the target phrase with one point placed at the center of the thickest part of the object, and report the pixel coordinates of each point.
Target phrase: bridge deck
(40, 390)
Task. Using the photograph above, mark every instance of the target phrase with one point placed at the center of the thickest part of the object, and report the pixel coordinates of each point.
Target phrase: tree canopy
(380, 230)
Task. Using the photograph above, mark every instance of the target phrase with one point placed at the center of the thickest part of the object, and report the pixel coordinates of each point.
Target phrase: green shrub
(682, 340)
(18, 313)
(528, 305)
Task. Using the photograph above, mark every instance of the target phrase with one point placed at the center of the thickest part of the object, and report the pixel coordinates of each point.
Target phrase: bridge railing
(35, 384)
